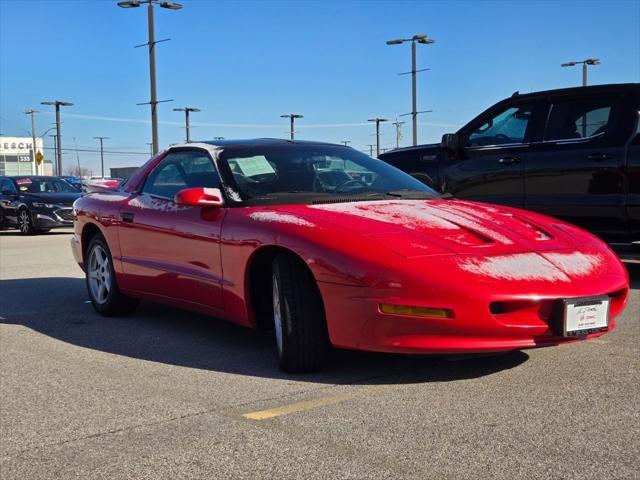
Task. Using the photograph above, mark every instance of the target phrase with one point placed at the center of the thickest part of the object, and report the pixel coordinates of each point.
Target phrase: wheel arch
(258, 282)
(89, 231)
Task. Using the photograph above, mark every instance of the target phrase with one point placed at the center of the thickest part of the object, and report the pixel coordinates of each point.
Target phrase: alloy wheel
(99, 274)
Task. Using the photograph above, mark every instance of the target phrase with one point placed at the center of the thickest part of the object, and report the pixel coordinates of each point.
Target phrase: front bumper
(355, 322)
(52, 218)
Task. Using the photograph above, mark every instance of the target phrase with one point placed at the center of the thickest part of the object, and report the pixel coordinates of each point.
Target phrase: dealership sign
(18, 149)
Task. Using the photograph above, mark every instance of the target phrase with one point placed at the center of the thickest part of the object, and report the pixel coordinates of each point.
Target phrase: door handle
(598, 157)
(508, 160)
(126, 217)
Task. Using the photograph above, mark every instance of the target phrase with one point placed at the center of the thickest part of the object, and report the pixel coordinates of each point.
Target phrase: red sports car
(328, 246)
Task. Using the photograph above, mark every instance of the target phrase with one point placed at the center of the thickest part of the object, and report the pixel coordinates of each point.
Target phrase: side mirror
(451, 142)
(200, 197)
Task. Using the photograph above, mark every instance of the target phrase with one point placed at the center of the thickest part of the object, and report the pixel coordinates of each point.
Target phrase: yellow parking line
(309, 404)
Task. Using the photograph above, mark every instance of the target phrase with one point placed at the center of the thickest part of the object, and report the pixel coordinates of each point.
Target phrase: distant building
(16, 156)
(122, 172)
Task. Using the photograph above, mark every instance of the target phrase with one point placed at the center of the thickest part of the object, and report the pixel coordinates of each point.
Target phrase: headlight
(43, 205)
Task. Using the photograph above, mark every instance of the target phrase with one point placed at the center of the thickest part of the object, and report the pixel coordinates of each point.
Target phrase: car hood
(54, 198)
(415, 228)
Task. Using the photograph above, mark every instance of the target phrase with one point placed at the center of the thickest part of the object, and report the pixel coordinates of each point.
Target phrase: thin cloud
(300, 126)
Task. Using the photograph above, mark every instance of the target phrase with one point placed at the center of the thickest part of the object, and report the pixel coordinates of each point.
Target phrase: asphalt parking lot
(170, 394)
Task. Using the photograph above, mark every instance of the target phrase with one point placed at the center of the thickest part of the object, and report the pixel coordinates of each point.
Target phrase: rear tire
(100, 278)
(302, 339)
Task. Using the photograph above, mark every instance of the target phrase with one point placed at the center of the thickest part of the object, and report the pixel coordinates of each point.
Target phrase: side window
(507, 127)
(180, 170)
(579, 118)
(7, 186)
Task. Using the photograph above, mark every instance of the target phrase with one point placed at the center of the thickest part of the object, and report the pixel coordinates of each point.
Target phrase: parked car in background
(35, 204)
(96, 184)
(74, 181)
(328, 246)
(572, 153)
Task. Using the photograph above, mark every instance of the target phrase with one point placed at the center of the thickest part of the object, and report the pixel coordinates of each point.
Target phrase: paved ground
(169, 394)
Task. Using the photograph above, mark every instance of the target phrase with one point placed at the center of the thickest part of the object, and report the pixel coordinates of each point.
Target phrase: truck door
(577, 172)
(490, 167)
(633, 172)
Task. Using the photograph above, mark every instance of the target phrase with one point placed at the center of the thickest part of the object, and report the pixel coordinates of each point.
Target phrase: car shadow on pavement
(57, 307)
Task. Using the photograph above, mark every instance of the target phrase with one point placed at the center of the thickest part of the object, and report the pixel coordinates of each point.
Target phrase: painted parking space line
(311, 404)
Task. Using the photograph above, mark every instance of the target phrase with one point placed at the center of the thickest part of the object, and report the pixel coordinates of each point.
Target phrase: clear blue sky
(244, 63)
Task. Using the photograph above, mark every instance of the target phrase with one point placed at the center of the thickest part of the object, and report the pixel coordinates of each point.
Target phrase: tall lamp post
(186, 111)
(419, 38)
(152, 58)
(33, 112)
(377, 121)
(584, 63)
(292, 118)
(58, 104)
(101, 153)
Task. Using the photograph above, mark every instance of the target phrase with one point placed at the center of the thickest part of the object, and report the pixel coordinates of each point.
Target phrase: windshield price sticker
(23, 181)
(584, 316)
(251, 166)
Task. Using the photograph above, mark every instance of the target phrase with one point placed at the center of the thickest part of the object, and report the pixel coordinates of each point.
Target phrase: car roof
(263, 142)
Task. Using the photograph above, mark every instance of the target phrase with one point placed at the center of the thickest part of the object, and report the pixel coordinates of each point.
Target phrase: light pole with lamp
(58, 104)
(186, 111)
(101, 153)
(588, 61)
(152, 58)
(419, 38)
(292, 117)
(377, 121)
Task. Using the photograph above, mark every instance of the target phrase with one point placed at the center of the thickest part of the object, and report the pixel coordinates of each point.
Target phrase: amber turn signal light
(415, 311)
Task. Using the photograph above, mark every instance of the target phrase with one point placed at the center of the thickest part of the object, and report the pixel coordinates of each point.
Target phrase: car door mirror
(200, 197)
(451, 142)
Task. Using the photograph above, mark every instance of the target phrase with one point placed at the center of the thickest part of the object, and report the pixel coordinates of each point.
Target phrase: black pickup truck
(572, 153)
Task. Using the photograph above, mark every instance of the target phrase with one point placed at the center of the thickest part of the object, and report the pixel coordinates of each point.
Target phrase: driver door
(169, 250)
(490, 167)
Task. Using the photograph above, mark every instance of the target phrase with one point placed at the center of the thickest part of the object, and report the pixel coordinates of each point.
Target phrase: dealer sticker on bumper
(585, 315)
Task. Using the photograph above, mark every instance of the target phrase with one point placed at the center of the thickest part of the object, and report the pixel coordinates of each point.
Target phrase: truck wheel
(101, 282)
(299, 321)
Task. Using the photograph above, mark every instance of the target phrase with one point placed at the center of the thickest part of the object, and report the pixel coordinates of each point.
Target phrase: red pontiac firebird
(328, 246)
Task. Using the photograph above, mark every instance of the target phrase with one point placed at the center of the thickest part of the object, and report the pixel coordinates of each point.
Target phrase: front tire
(25, 222)
(100, 278)
(299, 320)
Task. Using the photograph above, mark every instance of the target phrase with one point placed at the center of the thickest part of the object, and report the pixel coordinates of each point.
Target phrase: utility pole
(419, 38)
(34, 148)
(150, 148)
(186, 111)
(152, 60)
(58, 104)
(345, 142)
(101, 154)
(377, 121)
(292, 117)
(398, 126)
(370, 149)
(55, 148)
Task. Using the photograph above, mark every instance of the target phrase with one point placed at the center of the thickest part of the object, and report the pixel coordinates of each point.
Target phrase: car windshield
(282, 171)
(44, 185)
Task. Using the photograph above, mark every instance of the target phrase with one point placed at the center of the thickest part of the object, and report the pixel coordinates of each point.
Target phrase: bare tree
(75, 171)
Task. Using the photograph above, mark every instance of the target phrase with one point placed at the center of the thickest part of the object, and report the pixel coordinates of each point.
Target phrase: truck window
(507, 127)
(578, 118)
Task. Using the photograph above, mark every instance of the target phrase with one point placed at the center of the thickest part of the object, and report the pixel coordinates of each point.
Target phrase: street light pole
(588, 61)
(345, 142)
(153, 101)
(101, 153)
(58, 104)
(370, 149)
(186, 111)
(33, 112)
(419, 38)
(292, 117)
(377, 121)
(55, 146)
